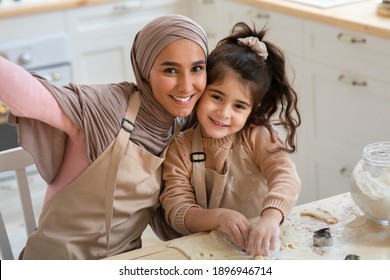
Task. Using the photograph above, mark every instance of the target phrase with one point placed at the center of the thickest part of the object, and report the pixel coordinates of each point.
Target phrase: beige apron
(105, 210)
(241, 187)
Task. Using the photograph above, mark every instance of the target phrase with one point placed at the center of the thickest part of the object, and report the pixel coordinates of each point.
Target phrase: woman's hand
(236, 226)
(274, 132)
(264, 234)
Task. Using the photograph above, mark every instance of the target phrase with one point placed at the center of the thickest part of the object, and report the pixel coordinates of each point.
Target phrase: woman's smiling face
(178, 77)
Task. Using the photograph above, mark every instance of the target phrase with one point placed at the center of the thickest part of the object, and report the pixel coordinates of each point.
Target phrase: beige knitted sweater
(278, 170)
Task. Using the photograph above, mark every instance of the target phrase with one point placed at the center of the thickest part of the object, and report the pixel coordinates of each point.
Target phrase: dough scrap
(321, 215)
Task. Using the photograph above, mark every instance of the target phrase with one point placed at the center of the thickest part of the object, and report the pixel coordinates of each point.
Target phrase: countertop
(353, 234)
(359, 16)
(10, 9)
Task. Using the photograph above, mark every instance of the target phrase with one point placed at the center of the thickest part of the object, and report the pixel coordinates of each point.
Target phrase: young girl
(225, 171)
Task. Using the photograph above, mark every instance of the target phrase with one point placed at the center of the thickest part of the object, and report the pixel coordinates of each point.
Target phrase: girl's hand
(236, 226)
(264, 234)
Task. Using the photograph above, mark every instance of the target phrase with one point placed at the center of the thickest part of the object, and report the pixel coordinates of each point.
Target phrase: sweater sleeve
(284, 184)
(43, 127)
(178, 194)
(27, 97)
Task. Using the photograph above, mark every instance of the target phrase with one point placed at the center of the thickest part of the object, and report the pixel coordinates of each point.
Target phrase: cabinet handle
(352, 81)
(54, 77)
(128, 6)
(258, 15)
(350, 39)
(206, 1)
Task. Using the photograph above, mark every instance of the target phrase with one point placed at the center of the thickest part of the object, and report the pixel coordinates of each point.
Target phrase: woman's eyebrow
(199, 62)
(170, 63)
(173, 63)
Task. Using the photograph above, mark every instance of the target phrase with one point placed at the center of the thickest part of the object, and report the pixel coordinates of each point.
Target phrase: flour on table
(216, 246)
(351, 233)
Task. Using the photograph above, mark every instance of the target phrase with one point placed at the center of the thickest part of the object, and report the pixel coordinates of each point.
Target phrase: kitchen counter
(353, 234)
(28, 7)
(360, 16)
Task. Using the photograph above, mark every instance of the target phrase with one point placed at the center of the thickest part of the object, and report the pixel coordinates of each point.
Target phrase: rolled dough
(320, 214)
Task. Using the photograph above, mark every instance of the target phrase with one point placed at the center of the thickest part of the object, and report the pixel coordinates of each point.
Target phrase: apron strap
(121, 141)
(198, 177)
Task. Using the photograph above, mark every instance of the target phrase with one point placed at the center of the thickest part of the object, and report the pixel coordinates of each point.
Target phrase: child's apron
(241, 187)
(105, 210)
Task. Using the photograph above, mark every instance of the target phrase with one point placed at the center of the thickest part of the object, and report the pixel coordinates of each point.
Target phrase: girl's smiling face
(224, 107)
(178, 77)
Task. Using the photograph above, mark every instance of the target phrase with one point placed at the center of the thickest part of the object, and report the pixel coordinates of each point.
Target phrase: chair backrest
(17, 160)
(5, 245)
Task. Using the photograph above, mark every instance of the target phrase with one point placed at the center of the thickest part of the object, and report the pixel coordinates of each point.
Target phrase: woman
(103, 188)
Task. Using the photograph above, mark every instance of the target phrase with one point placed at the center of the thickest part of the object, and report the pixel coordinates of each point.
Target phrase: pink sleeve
(27, 97)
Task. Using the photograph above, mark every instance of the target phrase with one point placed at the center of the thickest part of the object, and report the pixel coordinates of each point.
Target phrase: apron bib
(241, 187)
(105, 210)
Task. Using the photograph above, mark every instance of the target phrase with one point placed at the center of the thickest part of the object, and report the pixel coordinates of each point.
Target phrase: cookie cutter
(322, 238)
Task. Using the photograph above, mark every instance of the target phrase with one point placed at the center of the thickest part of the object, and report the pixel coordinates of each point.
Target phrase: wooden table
(353, 234)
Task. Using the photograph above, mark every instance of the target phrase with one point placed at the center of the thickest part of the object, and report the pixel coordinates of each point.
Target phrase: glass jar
(370, 183)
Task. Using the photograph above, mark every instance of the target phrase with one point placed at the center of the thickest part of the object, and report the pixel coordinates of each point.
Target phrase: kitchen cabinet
(217, 17)
(22, 28)
(208, 14)
(347, 78)
(102, 35)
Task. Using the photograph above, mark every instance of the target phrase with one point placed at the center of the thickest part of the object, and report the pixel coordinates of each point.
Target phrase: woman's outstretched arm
(27, 97)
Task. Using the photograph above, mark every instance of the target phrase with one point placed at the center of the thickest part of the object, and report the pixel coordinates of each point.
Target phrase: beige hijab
(153, 121)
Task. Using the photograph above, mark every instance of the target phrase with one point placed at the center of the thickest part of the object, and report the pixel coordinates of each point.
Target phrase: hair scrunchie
(255, 45)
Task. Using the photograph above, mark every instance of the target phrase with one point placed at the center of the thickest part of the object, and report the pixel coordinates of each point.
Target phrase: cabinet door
(329, 45)
(102, 37)
(99, 61)
(22, 27)
(300, 157)
(347, 81)
(208, 14)
(283, 30)
(348, 110)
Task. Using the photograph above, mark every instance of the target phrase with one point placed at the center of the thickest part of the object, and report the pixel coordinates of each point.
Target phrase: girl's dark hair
(272, 94)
